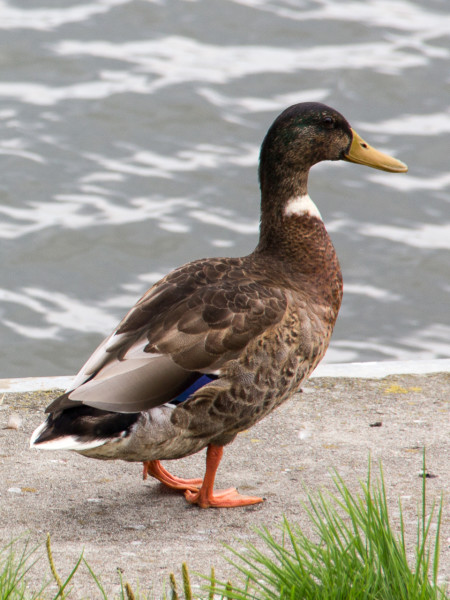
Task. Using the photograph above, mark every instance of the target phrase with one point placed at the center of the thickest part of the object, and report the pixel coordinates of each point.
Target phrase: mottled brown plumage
(256, 325)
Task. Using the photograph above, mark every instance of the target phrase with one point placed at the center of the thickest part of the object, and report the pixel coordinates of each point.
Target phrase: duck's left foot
(229, 498)
(156, 470)
(205, 497)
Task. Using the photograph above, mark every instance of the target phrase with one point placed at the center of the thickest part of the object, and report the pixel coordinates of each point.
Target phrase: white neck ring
(300, 206)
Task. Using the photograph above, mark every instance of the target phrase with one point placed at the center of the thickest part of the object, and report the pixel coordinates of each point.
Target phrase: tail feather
(72, 425)
(81, 428)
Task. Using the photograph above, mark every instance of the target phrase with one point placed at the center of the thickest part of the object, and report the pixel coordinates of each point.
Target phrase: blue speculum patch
(198, 383)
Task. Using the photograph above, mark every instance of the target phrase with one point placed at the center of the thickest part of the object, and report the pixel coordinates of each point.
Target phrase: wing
(193, 321)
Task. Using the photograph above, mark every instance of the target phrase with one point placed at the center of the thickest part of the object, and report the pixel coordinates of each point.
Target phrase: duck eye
(328, 122)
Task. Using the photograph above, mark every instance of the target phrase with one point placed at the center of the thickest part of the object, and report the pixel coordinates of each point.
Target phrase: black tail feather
(87, 424)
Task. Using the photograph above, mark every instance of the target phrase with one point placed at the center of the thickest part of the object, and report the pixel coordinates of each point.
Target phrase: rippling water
(129, 142)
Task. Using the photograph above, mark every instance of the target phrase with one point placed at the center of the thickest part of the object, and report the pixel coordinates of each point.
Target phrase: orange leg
(205, 496)
(156, 470)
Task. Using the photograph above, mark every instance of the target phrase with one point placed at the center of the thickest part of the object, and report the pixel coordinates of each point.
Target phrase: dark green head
(303, 135)
(307, 133)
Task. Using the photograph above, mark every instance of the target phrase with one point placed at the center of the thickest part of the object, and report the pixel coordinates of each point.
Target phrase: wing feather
(196, 319)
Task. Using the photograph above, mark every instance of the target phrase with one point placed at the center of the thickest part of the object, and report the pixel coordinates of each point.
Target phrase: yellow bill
(360, 152)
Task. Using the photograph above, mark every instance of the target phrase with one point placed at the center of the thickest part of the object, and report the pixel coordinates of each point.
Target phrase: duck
(219, 343)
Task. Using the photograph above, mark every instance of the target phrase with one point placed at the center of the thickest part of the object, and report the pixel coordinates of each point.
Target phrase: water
(129, 141)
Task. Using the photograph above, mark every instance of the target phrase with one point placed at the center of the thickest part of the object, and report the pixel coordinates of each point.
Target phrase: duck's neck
(290, 221)
(293, 232)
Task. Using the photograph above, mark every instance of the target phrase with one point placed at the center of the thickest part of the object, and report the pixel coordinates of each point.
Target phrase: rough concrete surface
(147, 531)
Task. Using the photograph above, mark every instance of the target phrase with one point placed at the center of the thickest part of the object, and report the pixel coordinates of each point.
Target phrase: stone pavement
(147, 531)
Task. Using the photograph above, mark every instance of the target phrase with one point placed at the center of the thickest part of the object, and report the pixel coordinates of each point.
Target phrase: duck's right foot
(156, 470)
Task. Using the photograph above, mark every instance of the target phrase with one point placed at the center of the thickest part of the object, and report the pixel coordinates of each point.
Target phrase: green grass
(354, 553)
(14, 568)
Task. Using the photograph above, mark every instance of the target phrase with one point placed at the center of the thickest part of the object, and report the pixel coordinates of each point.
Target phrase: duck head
(305, 134)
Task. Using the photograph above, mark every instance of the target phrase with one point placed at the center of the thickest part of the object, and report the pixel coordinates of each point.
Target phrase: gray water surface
(129, 142)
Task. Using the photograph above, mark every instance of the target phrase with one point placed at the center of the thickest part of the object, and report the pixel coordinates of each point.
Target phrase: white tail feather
(66, 442)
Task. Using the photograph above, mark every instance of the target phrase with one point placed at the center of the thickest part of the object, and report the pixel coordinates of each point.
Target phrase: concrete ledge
(367, 370)
(377, 370)
(34, 384)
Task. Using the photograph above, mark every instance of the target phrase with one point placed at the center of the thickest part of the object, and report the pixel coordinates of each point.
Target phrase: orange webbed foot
(156, 470)
(201, 491)
(205, 497)
(229, 498)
